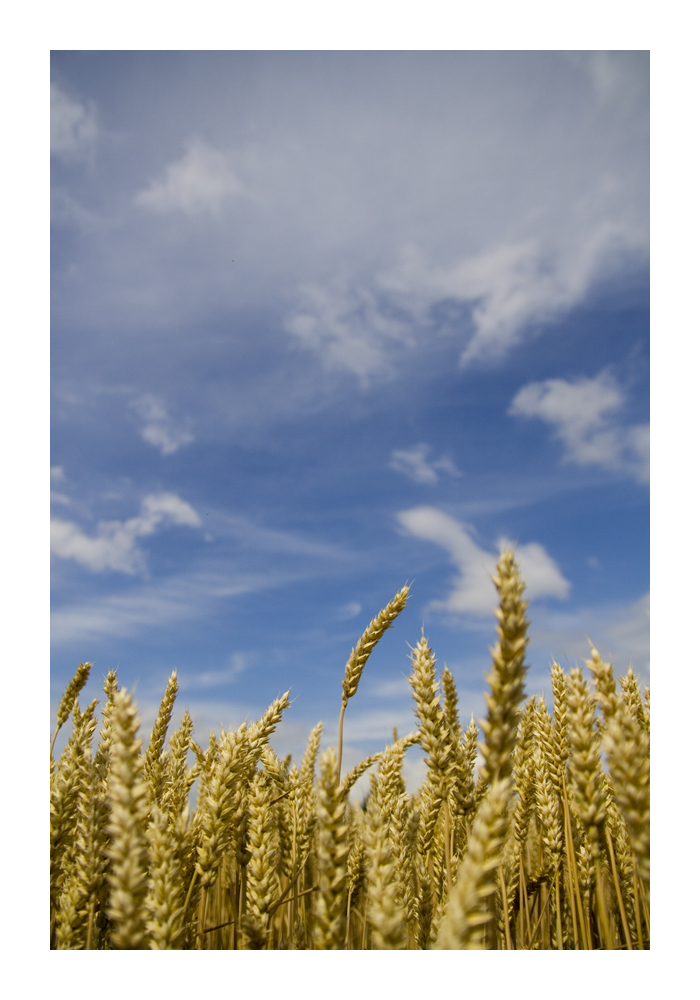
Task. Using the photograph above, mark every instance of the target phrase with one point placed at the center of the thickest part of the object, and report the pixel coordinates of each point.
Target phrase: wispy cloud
(159, 428)
(609, 76)
(198, 182)
(585, 418)
(151, 607)
(347, 170)
(349, 611)
(414, 463)
(58, 476)
(472, 590)
(114, 547)
(74, 127)
(504, 292)
(348, 327)
(237, 664)
(516, 284)
(620, 631)
(377, 724)
(189, 596)
(255, 536)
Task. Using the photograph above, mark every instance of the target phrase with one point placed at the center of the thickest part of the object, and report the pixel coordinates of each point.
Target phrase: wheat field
(545, 845)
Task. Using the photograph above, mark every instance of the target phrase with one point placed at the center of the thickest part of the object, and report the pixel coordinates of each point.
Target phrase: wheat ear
(627, 747)
(180, 777)
(633, 697)
(80, 876)
(467, 911)
(154, 765)
(164, 900)
(385, 912)
(65, 706)
(507, 676)
(263, 843)
(128, 797)
(110, 688)
(587, 778)
(360, 654)
(584, 760)
(331, 853)
(434, 736)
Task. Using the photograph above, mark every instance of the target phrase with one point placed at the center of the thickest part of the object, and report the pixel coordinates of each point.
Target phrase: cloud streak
(238, 663)
(149, 608)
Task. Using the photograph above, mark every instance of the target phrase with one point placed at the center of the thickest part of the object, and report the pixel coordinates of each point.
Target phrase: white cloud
(73, 127)
(584, 415)
(519, 179)
(114, 547)
(540, 572)
(516, 282)
(505, 289)
(349, 611)
(58, 476)
(520, 283)
(159, 428)
(413, 462)
(473, 591)
(348, 328)
(199, 182)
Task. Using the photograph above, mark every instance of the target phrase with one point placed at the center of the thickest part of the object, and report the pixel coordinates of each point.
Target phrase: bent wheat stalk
(360, 654)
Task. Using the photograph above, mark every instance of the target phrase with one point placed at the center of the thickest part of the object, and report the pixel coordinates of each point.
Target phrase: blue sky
(324, 323)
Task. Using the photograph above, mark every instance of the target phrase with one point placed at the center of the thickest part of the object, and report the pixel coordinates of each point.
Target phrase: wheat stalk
(154, 764)
(507, 677)
(128, 798)
(360, 654)
(467, 911)
(331, 852)
(385, 913)
(68, 697)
